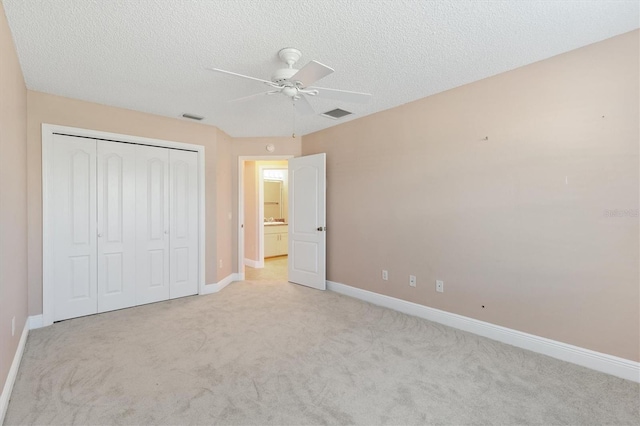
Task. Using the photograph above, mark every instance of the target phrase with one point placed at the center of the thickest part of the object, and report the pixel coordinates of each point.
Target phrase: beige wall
(255, 147)
(516, 224)
(45, 108)
(13, 199)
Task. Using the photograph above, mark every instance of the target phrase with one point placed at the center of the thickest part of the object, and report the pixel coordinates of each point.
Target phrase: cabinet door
(271, 245)
(183, 231)
(73, 222)
(116, 194)
(283, 244)
(152, 224)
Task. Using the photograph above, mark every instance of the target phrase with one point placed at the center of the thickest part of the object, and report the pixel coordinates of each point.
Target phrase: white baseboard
(13, 373)
(216, 287)
(35, 321)
(254, 263)
(604, 363)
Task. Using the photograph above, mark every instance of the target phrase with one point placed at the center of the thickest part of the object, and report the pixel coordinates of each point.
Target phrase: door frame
(48, 131)
(241, 160)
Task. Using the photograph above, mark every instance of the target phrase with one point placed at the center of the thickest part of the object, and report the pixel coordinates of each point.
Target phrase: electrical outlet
(13, 326)
(440, 286)
(385, 275)
(412, 280)
(220, 264)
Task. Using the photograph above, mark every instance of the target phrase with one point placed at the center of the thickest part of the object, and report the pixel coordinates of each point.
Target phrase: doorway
(263, 211)
(306, 232)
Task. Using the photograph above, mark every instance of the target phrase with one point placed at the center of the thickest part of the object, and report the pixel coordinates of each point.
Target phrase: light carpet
(275, 269)
(278, 353)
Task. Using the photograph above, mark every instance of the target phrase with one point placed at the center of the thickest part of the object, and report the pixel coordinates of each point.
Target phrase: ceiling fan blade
(303, 106)
(342, 95)
(311, 73)
(270, 83)
(254, 96)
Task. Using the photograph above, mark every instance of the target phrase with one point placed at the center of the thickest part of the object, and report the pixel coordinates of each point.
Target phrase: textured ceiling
(150, 55)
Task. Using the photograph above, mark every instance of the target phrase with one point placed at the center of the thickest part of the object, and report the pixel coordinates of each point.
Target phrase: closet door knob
(99, 235)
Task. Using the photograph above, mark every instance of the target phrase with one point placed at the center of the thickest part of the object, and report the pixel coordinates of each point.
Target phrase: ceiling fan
(297, 83)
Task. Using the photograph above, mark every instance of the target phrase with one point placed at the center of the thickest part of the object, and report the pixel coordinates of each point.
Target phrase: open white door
(307, 227)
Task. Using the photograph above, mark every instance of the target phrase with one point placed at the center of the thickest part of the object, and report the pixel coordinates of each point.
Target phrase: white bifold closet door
(166, 224)
(73, 224)
(183, 241)
(116, 193)
(152, 224)
(125, 225)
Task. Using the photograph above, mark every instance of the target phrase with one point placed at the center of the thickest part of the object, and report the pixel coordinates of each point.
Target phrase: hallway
(275, 269)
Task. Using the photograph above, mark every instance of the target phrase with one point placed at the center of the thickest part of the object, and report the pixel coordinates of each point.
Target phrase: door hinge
(322, 228)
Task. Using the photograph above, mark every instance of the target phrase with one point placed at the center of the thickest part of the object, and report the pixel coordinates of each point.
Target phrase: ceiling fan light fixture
(290, 91)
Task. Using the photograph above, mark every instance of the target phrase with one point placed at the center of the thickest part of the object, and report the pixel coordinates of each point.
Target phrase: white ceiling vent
(336, 113)
(192, 116)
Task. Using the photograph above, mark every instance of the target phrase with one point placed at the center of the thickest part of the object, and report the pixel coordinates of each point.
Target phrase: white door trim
(241, 160)
(48, 131)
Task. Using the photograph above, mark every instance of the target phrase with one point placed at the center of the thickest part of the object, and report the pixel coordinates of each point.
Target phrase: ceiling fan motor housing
(283, 75)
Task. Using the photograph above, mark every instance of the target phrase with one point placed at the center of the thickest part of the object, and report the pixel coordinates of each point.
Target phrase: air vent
(192, 116)
(336, 113)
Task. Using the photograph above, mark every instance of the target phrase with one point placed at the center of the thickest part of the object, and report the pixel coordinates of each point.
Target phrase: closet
(124, 220)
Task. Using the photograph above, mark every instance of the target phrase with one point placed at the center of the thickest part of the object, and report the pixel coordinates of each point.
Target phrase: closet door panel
(152, 224)
(73, 212)
(116, 193)
(184, 223)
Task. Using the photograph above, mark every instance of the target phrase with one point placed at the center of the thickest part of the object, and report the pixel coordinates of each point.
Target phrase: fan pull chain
(293, 104)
